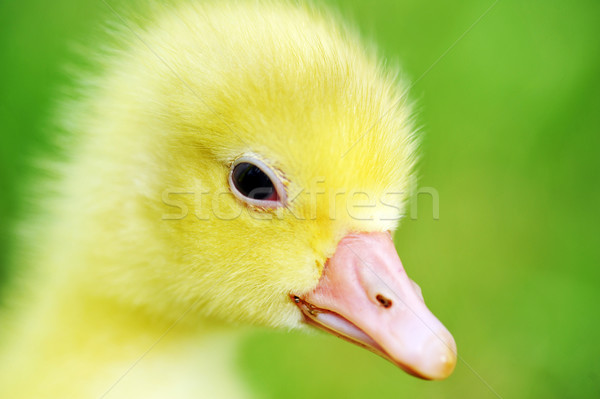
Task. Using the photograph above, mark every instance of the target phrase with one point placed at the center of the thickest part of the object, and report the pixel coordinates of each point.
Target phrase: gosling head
(270, 155)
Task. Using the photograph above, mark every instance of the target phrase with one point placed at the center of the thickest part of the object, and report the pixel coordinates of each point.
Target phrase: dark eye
(255, 183)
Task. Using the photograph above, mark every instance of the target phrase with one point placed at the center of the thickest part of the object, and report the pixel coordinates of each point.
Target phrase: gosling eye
(255, 183)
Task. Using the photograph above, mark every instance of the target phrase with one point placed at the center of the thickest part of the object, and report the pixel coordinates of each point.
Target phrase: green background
(511, 142)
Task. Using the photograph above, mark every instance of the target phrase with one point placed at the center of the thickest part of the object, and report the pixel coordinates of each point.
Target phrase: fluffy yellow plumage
(118, 261)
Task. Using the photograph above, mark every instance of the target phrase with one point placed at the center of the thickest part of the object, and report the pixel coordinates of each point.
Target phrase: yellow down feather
(144, 233)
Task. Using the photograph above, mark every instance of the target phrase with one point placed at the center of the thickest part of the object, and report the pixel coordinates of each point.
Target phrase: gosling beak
(364, 296)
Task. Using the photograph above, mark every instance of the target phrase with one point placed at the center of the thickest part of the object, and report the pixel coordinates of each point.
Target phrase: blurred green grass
(511, 117)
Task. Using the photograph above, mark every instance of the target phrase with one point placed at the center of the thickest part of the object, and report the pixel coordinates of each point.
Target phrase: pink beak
(364, 296)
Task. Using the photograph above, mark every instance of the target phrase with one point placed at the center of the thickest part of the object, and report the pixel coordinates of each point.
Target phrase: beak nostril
(385, 302)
